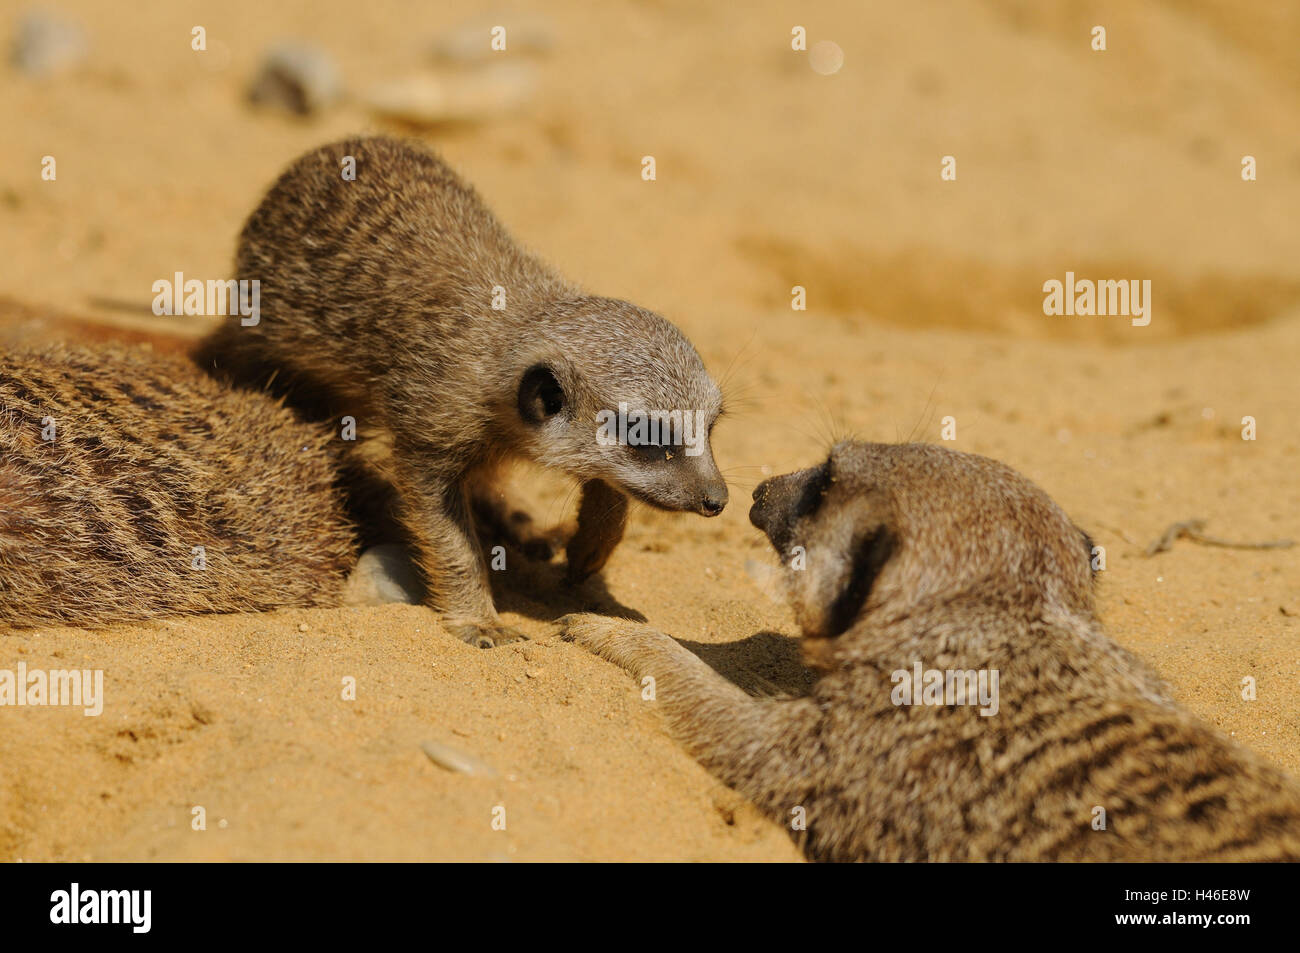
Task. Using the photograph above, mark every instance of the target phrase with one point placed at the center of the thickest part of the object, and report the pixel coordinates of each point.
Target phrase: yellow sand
(924, 301)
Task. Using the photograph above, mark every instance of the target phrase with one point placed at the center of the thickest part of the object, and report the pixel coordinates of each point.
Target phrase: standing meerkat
(133, 485)
(921, 558)
(389, 292)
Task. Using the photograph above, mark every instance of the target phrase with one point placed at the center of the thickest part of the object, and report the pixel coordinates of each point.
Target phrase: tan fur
(151, 458)
(920, 554)
(376, 298)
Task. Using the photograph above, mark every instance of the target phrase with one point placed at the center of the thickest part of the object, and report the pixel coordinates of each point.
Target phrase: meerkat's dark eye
(655, 452)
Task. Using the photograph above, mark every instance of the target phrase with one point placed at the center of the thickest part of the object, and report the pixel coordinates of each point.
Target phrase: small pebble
(45, 45)
(298, 78)
(453, 759)
(425, 99)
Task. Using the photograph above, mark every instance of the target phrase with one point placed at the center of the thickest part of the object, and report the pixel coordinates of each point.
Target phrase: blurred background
(1123, 163)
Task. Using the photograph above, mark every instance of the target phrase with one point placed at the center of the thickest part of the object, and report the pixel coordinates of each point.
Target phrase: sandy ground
(924, 301)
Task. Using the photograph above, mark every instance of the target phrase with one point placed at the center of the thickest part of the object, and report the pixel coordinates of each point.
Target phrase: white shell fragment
(426, 98)
(453, 759)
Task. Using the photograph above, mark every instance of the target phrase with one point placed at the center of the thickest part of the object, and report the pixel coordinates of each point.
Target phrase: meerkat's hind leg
(496, 523)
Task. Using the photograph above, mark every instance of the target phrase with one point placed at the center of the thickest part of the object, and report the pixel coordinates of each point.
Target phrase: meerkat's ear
(540, 394)
(1088, 546)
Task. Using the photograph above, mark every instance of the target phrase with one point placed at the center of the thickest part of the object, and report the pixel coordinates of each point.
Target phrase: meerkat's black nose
(714, 501)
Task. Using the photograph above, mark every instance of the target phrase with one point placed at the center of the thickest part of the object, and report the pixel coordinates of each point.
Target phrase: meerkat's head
(617, 393)
(883, 531)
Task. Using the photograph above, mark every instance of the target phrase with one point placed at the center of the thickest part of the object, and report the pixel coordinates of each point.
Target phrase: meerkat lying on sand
(133, 485)
(918, 559)
(389, 292)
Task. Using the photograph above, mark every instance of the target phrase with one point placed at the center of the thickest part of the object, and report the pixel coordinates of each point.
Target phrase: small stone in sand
(426, 99)
(45, 45)
(299, 78)
(453, 759)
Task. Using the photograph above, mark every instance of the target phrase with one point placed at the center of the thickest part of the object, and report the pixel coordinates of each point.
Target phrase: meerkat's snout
(780, 502)
(702, 491)
(664, 477)
(713, 497)
(713, 505)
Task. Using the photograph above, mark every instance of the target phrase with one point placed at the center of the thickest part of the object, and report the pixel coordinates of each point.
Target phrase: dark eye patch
(814, 489)
(655, 452)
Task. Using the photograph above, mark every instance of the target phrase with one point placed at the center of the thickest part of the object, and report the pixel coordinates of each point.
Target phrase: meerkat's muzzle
(782, 501)
(714, 500)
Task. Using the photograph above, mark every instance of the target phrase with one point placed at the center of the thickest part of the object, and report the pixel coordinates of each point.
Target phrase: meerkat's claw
(574, 623)
(486, 636)
(598, 634)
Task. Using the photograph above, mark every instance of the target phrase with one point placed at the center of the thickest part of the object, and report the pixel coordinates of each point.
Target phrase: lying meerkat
(390, 293)
(920, 557)
(133, 485)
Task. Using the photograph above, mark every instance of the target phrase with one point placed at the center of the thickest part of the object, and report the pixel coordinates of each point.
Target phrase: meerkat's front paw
(593, 632)
(629, 645)
(484, 635)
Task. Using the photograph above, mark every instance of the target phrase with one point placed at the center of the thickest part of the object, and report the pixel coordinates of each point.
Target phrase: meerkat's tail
(133, 486)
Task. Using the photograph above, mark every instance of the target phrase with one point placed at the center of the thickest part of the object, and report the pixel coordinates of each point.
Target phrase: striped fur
(151, 459)
(377, 302)
(919, 554)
